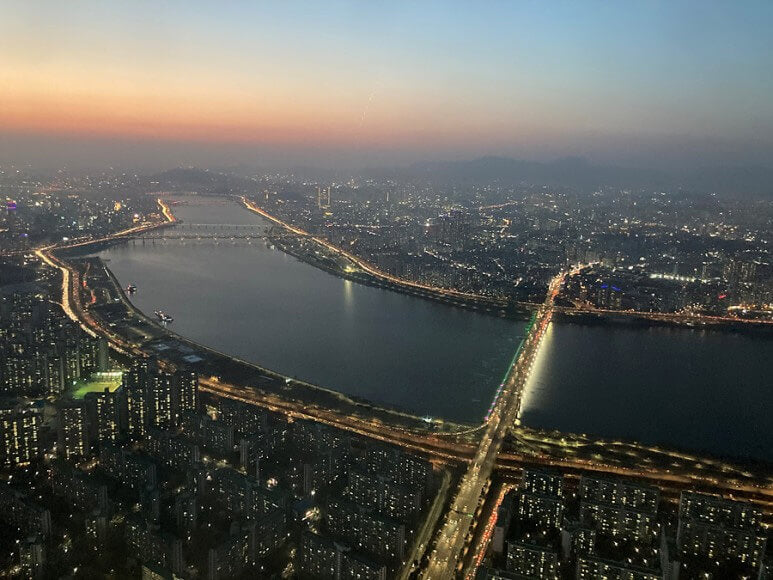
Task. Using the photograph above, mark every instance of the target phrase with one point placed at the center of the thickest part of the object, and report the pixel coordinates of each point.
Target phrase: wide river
(702, 390)
(269, 308)
(697, 390)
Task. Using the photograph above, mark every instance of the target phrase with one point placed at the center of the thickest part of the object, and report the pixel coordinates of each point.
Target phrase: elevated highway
(688, 319)
(447, 448)
(371, 270)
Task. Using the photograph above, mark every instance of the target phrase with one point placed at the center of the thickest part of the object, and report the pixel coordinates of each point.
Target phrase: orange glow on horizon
(281, 115)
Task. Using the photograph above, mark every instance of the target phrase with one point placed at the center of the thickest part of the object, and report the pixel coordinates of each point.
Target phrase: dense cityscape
(650, 251)
(386, 291)
(133, 461)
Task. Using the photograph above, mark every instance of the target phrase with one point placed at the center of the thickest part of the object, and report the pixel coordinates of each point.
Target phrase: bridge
(243, 227)
(198, 236)
(194, 231)
(447, 557)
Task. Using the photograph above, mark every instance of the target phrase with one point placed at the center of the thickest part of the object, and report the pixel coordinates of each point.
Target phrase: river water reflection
(266, 307)
(706, 391)
(698, 390)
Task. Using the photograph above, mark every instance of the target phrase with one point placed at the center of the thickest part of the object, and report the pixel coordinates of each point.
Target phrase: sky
(650, 83)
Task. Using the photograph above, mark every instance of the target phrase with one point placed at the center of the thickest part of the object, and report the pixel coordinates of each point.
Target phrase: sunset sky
(639, 83)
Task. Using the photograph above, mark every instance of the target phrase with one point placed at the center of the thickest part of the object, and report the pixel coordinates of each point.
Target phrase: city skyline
(656, 85)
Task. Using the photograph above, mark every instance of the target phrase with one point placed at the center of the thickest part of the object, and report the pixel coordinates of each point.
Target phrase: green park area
(96, 383)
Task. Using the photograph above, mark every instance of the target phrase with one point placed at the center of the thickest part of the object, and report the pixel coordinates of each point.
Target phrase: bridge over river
(195, 231)
(446, 558)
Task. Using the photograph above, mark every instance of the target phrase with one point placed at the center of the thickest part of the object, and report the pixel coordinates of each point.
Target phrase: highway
(454, 533)
(424, 534)
(367, 267)
(761, 494)
(67, 284)
(434, 446)
(671, 317)
(481, 543)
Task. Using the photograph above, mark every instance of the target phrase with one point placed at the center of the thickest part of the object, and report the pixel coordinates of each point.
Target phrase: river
(704, 391)
(266, 307)
(700, 390)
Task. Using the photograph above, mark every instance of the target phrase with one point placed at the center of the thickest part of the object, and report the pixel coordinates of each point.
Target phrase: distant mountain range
(571, 172)
(575, 172)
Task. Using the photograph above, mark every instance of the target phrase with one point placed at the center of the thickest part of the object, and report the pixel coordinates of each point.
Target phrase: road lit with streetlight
(454, 533)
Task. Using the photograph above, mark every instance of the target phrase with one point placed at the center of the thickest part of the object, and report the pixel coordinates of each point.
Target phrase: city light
(262, 270)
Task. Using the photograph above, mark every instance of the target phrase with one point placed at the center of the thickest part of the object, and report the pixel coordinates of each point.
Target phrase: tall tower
(105, 414)
(160, 399)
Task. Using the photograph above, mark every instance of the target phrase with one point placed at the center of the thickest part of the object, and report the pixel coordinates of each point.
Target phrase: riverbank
(131, 328)
(334, 260)
(618, 453)
(647, 320)
(322, 254)
(294, 247)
